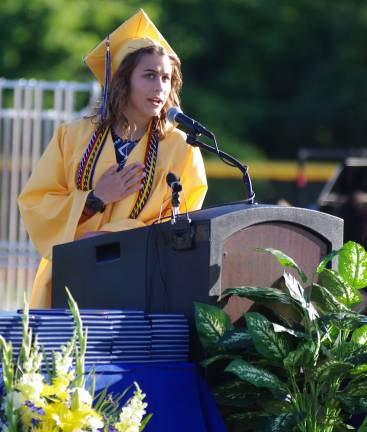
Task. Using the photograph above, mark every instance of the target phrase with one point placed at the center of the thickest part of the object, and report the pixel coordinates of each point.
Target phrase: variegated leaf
(211, 324)
(352, 264)
(257, 376)
(273, 346)
(340, 288)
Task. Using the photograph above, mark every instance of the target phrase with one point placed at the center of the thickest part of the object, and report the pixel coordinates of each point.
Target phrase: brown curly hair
(120, 88)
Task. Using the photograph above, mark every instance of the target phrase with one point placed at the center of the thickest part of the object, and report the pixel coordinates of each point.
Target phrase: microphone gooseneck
(194, 128)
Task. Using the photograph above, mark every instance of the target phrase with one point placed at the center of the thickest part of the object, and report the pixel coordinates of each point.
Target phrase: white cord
(187, 212)
(161, 210)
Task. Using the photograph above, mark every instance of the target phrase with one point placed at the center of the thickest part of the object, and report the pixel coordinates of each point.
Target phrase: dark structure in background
(345, 195)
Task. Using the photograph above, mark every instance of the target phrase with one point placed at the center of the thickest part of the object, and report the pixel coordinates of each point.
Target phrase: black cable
(163, 279)
(148, 274)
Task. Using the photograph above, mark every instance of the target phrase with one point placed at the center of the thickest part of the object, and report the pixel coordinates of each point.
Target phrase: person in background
(107, 172)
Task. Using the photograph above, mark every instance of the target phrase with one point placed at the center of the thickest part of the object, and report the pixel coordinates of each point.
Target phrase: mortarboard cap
(135, 33)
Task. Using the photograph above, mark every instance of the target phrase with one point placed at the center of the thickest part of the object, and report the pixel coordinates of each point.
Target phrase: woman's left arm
(193, 180)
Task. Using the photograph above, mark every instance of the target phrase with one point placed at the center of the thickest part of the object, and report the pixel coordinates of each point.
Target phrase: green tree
(47, 39)
(265, 75)
(278, 73)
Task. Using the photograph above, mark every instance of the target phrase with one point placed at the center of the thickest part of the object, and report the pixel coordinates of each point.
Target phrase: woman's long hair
(120, 89)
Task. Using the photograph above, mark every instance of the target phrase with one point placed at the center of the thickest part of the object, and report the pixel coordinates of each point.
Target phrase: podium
(145, 268)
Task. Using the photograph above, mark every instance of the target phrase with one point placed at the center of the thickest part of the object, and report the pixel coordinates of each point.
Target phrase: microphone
(174, 114)
(174, 183)
(182, 232)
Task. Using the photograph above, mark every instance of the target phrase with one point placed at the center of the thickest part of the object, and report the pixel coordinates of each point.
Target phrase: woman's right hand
(115, 185)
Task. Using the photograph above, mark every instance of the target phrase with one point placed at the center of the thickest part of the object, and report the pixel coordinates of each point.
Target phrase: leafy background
(268, 76)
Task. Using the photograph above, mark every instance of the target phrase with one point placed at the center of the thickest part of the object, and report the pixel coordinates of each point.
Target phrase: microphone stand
(182, 232)
(193, 140)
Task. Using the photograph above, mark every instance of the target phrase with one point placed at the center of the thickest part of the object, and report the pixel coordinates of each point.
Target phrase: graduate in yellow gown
(108, 172)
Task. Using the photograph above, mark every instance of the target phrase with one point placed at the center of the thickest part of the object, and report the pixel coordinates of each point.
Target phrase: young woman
(108, 172)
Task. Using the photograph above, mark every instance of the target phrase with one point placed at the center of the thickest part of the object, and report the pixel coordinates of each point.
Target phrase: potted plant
(299, 362)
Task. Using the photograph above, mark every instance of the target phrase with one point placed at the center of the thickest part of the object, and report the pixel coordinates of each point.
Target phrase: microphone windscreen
(171, 178)
(172, 113)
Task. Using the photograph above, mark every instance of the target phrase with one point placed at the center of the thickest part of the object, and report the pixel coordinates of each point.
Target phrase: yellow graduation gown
(51, 205)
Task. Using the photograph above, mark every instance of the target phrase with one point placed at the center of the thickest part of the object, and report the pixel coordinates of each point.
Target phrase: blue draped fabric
(177, 395)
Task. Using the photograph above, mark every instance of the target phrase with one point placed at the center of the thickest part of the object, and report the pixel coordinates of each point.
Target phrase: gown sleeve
(193, 180)
(50, 209)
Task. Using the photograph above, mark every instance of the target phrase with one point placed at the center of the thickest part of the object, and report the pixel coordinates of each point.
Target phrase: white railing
(30, 110)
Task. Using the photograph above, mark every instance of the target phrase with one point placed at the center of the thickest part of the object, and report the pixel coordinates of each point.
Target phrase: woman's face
(150, 87)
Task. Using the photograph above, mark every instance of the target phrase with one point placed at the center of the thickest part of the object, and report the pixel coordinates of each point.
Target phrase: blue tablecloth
(177, 395)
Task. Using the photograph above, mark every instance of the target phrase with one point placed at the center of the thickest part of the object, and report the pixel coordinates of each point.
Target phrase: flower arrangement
(299, 360)
(61, 401)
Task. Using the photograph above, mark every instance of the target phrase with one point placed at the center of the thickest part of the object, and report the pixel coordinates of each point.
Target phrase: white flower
(35, 380)
(33, 363)
(31, 385)
(83, 395)
(132, 413)
(56, 418)
(63, 364)
(94, 423)
(15, 398)
(3, 426)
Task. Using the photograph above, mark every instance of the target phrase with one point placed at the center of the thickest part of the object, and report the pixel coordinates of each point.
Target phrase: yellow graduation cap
(135, 33)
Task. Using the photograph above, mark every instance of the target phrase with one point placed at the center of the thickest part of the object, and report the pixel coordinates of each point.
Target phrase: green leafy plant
(299, 362)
